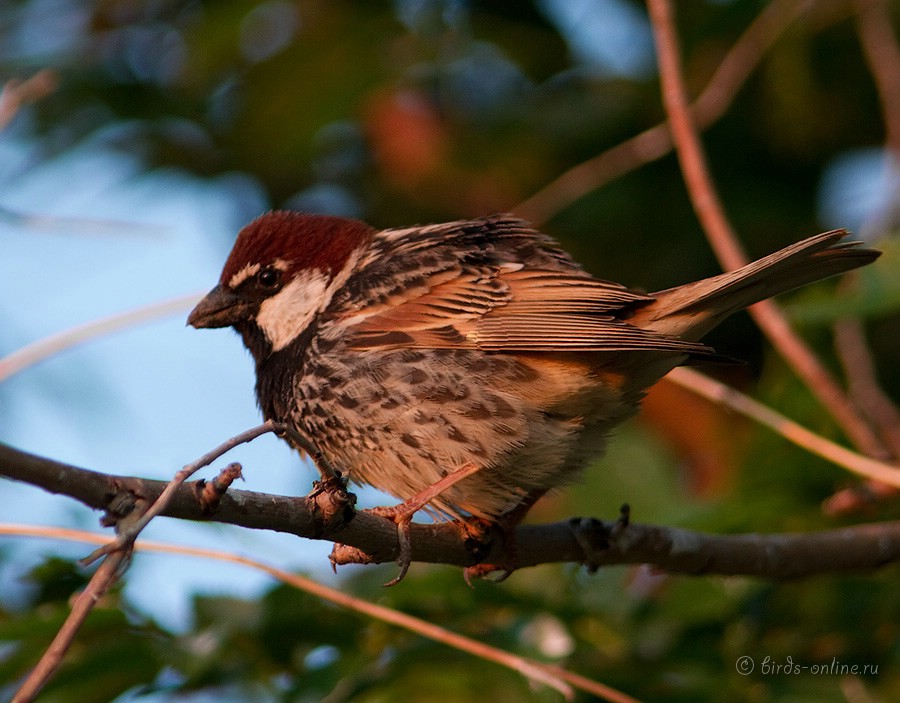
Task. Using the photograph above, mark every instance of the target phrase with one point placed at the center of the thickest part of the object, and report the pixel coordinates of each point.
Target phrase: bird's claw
(402, 515)
(481, 532)
(404, 557)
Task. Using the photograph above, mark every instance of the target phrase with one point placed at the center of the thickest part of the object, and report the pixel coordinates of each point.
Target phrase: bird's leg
(300, 442)
(506, 524)
(403, 513)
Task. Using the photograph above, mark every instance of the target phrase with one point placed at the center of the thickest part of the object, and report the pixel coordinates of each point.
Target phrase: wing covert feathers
(497, 285)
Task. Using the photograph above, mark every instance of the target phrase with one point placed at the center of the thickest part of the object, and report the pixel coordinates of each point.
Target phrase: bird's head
(283, 271)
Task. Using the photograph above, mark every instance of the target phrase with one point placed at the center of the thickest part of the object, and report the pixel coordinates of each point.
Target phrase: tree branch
(724, 241)
(31, 354)
(655, 142)
(373, 539)
(888, 474)
(551, 675)
(103, 578)
(882, 53)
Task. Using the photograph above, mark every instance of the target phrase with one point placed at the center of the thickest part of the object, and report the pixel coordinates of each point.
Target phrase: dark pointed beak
(221, 307)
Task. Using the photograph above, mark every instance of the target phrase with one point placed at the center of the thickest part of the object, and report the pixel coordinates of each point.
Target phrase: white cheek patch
(285, 315)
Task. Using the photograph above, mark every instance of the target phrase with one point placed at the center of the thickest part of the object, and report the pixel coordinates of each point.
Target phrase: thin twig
(857, 498)
(16, 94)
(42, 349)
(127, 535)
(787, 428)
(82, 226)
(816, 377)
(859, 369)
(104, 577)
(654, 143)
(117, 552)
(882, 52)
(724, 241)
(550, 675)
(300, 441)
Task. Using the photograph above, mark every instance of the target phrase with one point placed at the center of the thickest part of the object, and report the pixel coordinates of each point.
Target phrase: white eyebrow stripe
(242, 275)
(252, 269)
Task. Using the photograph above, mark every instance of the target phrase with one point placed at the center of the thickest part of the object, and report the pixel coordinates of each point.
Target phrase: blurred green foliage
(422, 111)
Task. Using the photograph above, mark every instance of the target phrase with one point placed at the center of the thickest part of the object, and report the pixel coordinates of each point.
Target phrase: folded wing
(513, 292)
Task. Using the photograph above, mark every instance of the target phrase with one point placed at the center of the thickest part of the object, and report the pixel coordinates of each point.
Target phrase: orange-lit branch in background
(724, 241)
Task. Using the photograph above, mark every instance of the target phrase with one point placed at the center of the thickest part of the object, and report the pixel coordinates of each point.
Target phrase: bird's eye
(268, 278)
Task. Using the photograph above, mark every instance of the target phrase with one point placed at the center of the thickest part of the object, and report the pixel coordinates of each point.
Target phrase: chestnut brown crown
(298, 240)
(279, 265)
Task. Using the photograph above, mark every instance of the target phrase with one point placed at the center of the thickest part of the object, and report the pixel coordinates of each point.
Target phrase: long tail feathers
(691, 310)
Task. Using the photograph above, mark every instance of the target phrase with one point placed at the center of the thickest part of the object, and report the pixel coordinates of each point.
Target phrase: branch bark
(373, 539)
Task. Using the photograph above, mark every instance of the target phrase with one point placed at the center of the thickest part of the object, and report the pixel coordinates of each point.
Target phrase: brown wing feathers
(514, 291)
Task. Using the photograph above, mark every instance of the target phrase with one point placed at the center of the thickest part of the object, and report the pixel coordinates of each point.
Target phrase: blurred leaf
(56, 579)
(114, 650)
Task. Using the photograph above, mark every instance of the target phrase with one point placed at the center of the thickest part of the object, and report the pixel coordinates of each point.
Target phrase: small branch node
(330, 505)
(478, 539)
(342, 554)
(622, 522)
(595, 537)
(209, 493)
(592, 536)
(121, 502)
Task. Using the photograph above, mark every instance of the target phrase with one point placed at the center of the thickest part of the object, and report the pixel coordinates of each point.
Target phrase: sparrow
(466, 368)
